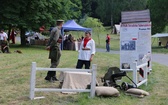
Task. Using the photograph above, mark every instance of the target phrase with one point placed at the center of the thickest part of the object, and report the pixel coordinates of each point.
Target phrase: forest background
(32, 14)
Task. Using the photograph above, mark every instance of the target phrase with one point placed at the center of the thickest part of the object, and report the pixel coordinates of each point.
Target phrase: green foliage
(95, 24)
(109, 11)
(166, 29)
(32, 14)
(159, 14)
(86, 7)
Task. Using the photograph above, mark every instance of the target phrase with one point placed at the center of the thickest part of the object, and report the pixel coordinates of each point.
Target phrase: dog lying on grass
(18, 51)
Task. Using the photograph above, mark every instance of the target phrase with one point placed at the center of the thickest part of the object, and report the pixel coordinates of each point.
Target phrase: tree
(159, 14)
(109, 11)
(31, 14)
(93, 23)
(86, 7)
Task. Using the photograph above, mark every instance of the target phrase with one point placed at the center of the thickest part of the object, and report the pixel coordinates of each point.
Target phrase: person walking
(54, 50)
(108, 43)
(86, 51)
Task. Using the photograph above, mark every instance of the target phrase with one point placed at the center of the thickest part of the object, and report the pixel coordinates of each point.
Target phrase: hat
(59, 22)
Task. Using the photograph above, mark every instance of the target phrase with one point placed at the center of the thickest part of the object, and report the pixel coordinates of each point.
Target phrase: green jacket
(54, 45)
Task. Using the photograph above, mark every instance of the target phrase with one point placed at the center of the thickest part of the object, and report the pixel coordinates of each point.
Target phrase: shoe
(54, 79)
(47, 78)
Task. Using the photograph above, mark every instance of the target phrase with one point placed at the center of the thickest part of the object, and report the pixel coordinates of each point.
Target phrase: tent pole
(62, 33)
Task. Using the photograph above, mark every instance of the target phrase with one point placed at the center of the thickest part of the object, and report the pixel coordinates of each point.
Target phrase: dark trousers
(80, 64)
(54, 64)
(108, 47)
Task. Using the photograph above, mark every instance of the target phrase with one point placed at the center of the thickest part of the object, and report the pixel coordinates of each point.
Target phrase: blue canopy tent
(71, 25)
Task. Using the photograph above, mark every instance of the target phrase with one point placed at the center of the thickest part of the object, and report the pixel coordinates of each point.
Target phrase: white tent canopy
(117, 26)
(160, 35)
(163, 37)
(116, 29)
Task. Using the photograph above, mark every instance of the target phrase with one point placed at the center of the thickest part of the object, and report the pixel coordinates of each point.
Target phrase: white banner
(135, 43)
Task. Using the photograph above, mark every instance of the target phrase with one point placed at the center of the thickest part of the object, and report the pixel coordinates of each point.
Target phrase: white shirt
(3, 36)
(65, 36)
(86, 54)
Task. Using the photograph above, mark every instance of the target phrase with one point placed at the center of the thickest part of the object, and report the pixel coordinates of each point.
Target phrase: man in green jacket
(54, 50)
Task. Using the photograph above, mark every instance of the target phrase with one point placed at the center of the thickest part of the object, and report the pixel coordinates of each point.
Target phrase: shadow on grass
(27, 46)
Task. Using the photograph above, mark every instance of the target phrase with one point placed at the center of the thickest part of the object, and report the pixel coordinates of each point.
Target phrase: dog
(18, 51)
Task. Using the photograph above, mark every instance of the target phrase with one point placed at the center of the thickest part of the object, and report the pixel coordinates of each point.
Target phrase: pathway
(158, 58)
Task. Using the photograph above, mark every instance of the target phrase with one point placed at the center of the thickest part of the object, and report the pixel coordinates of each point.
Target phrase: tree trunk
(9, 31)
(22, 36)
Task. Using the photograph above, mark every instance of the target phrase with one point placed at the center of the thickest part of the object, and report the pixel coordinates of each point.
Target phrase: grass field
(15, 78)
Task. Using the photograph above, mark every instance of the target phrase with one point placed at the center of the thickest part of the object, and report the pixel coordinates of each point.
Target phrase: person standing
(108, 43)
(86, 51)
(3, 35)
(12, 36)
(54, 50)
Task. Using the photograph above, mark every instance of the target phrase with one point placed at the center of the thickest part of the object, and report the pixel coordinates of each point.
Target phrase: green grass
(15, 76)
(15, 80)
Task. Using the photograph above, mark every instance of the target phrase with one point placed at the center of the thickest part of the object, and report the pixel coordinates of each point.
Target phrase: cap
(60, 20)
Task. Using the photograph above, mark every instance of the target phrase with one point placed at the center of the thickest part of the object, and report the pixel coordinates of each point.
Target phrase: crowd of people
(69, 41)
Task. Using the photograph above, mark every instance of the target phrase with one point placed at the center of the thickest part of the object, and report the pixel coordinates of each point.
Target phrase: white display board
(135, 43)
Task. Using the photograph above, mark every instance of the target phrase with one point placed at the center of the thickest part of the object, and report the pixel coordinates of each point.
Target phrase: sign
(135, 43)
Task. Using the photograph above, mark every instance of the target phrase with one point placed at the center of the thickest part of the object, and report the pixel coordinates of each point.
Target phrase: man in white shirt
(3, 35)
(86, 51)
